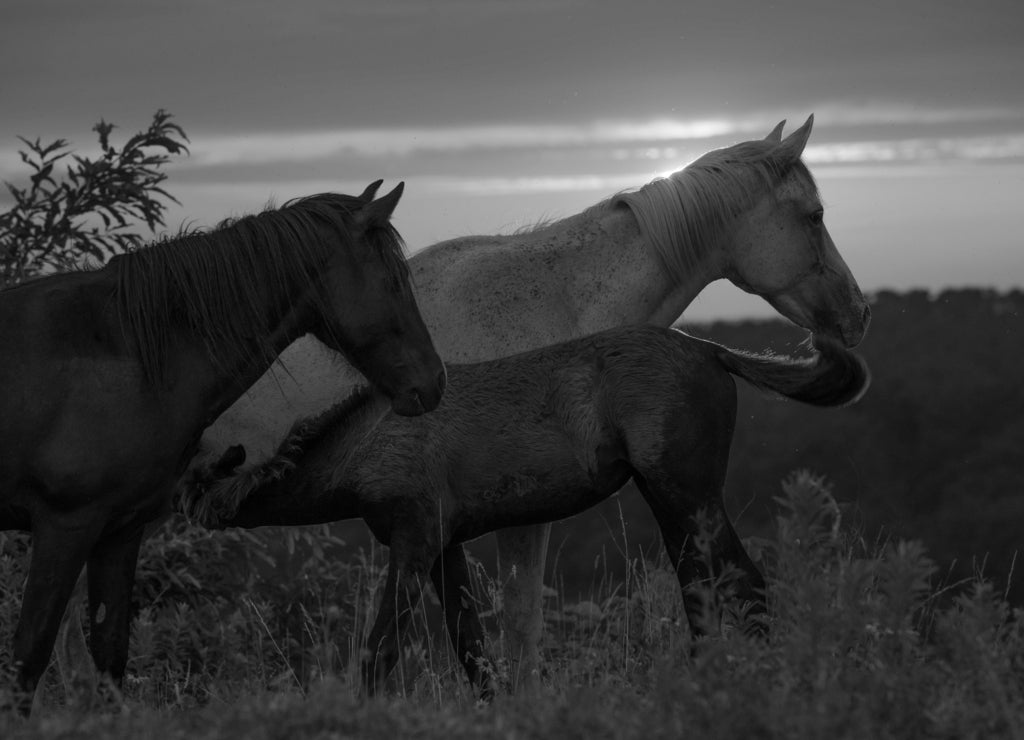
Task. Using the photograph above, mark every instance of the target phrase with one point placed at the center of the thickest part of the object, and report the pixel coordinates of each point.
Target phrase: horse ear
(776, 134)
(371, 190)
(380, 210)
(793, 145)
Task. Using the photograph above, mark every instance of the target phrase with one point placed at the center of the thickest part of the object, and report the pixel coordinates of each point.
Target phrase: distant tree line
(933, 452)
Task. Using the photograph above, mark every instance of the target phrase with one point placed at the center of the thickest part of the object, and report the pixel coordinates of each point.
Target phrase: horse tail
(834, 376)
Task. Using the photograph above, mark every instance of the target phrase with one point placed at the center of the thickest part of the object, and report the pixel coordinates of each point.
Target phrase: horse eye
(817, 218)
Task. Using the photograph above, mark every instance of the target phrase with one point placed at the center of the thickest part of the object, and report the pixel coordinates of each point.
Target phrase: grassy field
(866, 641)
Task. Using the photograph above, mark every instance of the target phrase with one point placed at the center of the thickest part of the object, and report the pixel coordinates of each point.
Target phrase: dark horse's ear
(776, 134)
(793, 146)
(371, 190)
(379, 211)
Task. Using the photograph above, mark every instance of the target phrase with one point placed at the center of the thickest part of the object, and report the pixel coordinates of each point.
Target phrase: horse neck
(613, 275)
(296, 318)
(238, 346)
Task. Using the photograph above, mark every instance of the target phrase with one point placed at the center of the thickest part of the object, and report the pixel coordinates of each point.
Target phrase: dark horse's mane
(220, 284)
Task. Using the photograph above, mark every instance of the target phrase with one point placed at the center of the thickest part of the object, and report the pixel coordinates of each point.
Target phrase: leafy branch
(56, 222)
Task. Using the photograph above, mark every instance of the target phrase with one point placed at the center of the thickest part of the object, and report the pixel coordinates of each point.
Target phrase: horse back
(59, 316)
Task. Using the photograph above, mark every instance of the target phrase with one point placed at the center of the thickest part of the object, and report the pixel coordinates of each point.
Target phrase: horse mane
(218, 284)
(219, 500)
(684, 215)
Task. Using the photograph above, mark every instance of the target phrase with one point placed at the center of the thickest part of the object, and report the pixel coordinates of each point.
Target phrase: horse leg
(451, 579)
(408, 566)
(58, 554)
(522, 552)
(111, 577)
(751, 588)
(701, 548)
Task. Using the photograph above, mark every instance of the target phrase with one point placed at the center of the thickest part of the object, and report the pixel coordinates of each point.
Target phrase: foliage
(860, 646)
(58, 222)
(931, 453)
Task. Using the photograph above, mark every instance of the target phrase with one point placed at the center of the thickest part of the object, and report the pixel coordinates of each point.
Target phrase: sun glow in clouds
(624, 135)
(601, 156)
(263, 148)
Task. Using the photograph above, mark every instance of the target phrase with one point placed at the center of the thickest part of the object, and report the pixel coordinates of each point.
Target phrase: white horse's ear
(776, 134)
(380, 210)
(793, 146)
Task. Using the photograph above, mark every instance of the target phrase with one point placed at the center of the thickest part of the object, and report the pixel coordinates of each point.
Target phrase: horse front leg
(111, 578)
(522, 552)
(452, 583)
(408, 567)
(59, 550)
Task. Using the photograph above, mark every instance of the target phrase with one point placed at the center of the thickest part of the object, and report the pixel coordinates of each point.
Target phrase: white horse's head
(781, 250)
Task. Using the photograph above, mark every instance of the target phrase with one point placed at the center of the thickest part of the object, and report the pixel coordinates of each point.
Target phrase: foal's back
(541, 435)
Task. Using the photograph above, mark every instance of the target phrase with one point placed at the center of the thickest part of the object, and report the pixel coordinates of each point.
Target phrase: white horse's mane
(683, 216)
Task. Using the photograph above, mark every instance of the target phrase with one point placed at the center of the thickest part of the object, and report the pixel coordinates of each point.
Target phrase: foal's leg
(693, 568)
(675, 499)
(450, 576)
(408, 567)
(59, 550)
(751, 589)
(111, 577)
(522, 552)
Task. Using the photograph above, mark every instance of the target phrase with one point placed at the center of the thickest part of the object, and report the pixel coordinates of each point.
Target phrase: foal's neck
(614, 277)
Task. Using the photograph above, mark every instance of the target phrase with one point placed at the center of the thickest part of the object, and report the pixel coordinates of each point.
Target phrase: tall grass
(865, 641)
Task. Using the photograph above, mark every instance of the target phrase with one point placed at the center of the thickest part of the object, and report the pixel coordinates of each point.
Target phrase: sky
(500, 114)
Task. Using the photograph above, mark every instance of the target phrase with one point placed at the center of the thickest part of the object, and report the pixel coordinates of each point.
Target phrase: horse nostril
(867, 315)
(442, 381)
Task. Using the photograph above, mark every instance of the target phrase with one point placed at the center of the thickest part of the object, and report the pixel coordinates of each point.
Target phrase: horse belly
(523, 495)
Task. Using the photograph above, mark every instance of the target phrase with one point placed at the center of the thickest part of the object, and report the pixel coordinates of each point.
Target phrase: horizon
(499, 116)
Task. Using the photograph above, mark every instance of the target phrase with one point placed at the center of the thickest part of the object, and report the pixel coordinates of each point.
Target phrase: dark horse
(109, 377)
(526, 439)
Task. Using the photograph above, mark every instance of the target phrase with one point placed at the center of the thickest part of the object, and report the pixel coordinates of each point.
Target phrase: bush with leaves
(58, 222)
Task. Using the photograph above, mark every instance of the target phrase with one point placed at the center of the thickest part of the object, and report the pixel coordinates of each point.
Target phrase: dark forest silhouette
(933, 452)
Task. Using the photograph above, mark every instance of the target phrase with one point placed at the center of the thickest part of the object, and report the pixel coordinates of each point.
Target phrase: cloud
(303, 146)
(488, 159)
(919, 150)
(865, 113)
(264, 148)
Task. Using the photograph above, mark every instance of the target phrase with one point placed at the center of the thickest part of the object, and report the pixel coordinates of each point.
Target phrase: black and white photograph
(511, 369)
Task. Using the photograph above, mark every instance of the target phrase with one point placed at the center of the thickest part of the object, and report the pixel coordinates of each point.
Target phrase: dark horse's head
(372, 317)
(329, 264)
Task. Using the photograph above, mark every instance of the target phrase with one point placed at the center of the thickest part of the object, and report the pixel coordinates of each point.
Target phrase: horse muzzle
(417, 401)
(851, 333)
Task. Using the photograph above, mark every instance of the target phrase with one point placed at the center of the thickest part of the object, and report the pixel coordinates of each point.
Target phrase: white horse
(749, 213)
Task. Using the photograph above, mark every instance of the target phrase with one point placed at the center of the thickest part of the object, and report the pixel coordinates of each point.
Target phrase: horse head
(782, 251)
(372, 317)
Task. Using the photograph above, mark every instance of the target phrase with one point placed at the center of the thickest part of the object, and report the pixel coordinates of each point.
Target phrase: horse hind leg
(751, 587)
(522, 552)
(702, 545)
(59, 550)
(451, 579)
